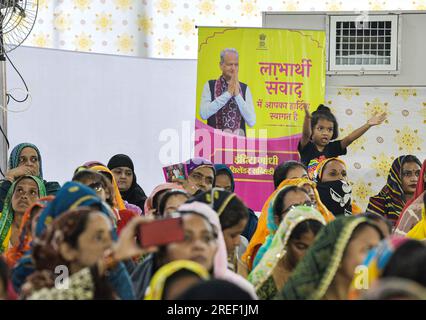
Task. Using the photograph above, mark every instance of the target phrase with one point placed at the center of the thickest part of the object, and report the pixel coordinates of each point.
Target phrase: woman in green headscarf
(25, 159)
(327, 270)
(295, 234)
(22, 194)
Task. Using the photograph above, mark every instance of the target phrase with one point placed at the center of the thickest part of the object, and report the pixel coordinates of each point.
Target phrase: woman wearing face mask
(400, 188)
(294, 236)
(327, 270)
(333, 187)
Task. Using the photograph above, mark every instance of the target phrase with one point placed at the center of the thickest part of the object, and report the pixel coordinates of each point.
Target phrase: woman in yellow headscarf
(333, 187)
(174, 278)
(419, 230)
(262, 230)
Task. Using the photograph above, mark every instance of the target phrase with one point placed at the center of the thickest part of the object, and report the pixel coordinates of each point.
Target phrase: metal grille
(363, 42)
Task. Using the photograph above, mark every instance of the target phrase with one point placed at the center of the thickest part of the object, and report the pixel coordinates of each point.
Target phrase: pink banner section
(252, 160)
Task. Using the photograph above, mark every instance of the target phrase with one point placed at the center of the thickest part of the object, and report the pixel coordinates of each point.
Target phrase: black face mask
(336, 196)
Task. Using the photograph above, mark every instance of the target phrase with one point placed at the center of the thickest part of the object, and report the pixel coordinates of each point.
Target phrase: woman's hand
(188, 186)
(15, 173)
(126, 246)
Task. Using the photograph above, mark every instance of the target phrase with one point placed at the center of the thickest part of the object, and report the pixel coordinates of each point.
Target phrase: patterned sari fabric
(158, 283)
(315, 273)
(262, 231)
(261, 276)
(412, 212)
(229, 116)
(389, 202)
(8, 214)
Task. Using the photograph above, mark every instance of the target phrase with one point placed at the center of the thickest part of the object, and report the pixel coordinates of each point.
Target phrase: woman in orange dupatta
(16, 252)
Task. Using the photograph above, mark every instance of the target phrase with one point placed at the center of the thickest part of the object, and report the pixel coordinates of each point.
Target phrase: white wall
(91, 106)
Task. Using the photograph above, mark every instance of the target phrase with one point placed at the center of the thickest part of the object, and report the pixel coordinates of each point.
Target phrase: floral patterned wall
(370, 157)
(165, 28)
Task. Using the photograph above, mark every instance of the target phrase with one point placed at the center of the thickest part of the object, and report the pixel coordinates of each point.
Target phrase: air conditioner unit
(364, 44)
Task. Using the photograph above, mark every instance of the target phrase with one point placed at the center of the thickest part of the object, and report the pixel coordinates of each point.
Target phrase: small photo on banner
(252, 87)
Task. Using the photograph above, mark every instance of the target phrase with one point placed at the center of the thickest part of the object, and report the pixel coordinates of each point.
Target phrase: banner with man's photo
(252, 87)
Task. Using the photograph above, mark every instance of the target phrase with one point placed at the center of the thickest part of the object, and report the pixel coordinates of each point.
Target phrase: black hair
(234, 212)
(212, 289)
(324, 112)
(408, 262)
(376, 218)
(97, 177)
(278, 206)
(280, 173)
(182, 273)
(313, 226)
(410, 158)
(362, 226)
(155, 202)
(167, 196)
(159, 257)
(230, 208)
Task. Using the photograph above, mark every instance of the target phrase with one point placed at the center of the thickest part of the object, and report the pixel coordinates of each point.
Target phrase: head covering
(221, 270)
(119, 203)
(261, 276)
(72, 195)
(315, 273)
(395, 289)
(149, 203)
(262, 230)
(223, 168)
(135, 194)
(411, 213)
(92, 163)
(272, 228)
(378, 258)
(389, 202)
(8, 214)
(16, 252)
(158, 281)
(217, 198)
(197, 162)
(212, 289)
(319, 171)
(336, 195)
(16, 153)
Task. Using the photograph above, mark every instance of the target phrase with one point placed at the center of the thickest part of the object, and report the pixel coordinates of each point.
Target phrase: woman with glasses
(105, 190)
(400, 188)
(284, 201)
(295, 234)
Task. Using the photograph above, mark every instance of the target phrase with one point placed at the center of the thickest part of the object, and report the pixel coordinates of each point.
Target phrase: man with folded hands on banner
(227, 103)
